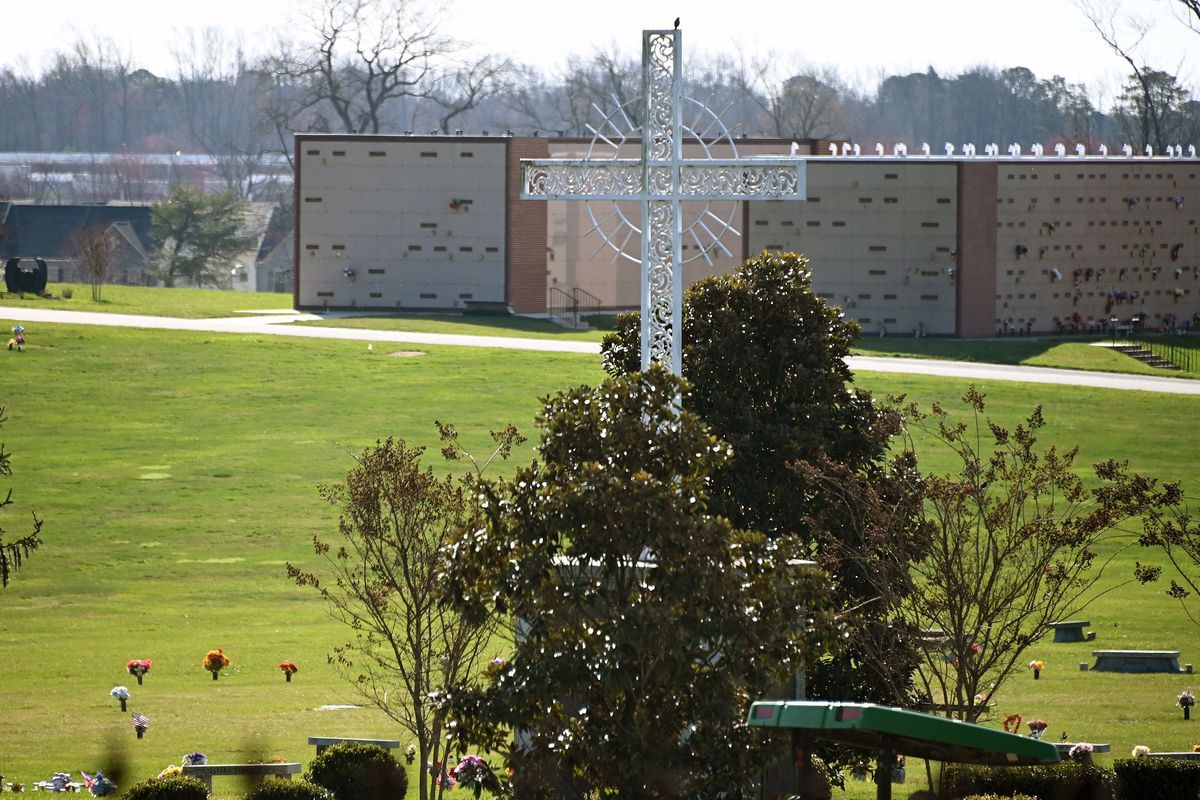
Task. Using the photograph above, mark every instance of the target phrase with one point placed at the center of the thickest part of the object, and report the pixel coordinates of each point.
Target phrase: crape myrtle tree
(1013, 540)
(646, 624)
(381, 580)
(93, 246)
(765, 359)
(13, 551)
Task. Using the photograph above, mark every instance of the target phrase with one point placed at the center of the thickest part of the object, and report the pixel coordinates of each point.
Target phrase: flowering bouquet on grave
(289, 669)
(1080, 752)
(120, 693)
(473, 773)
(215, 661)
(1140, 750)
(410, 754)
(440, 774)
(138, 667)
(1186, 699)
(195, 760)
(59, 782)
(1037, 727)
(1012, 723)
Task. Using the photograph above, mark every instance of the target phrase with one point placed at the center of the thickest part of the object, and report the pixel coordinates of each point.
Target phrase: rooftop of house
(44, 231)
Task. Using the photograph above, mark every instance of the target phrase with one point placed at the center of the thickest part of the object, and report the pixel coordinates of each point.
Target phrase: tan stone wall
(1090, 249)
(420, 221)
(976, 277)
(880, 237)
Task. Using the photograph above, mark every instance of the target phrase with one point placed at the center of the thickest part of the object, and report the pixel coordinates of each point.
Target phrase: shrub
(175, 787)
(358, 772)
(67, 294)
(280, 789)
(1064, 781)
(1160, 778)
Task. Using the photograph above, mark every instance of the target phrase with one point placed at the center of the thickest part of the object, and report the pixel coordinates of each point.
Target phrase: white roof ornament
(1038, 149)
(1191, 151)
(1081, 150)
(1014, 150)
(1127, 150)
(925, 150)
(1104, 151)
(845, 148)
(879, 148)
(949, 149)
(857, 151)
(1149, 151)
(900, 150)
(833, 148)
(1060, 150)
(969, 149)
(795, 149)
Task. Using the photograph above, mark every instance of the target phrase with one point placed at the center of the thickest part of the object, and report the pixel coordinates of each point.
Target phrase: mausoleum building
(958, 245)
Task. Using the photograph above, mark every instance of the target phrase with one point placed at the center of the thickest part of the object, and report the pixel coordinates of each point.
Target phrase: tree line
(385, 66)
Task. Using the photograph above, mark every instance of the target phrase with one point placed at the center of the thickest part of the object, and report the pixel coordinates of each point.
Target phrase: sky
(863, 39)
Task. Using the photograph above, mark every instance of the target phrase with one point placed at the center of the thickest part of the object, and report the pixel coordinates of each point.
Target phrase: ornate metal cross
(661, 179)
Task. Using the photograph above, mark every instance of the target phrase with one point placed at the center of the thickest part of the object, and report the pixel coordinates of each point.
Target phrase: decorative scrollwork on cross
(661, 178)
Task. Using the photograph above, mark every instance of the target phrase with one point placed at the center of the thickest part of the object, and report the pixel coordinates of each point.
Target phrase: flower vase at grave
(288, 675)
(215, 674)
(1187, 712)
(140, 732)
(139, 677)
(1037, 674)
(123, 701)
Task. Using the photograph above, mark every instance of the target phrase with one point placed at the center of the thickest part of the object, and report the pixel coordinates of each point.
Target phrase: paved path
(273, 324)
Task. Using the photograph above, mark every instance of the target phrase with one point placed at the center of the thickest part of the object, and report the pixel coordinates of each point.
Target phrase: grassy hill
(177, 473)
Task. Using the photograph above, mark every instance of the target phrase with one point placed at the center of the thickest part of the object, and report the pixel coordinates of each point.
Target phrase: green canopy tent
(895, 731)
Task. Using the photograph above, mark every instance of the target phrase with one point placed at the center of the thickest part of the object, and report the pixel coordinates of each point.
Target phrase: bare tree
(395, 517)
(93, 248)
(364, 55)
(223, 94)
(460, 89)
(1109, 23)
(1192, 8)
(805, 104)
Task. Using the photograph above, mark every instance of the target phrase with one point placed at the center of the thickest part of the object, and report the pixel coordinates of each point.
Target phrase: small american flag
(140, 721)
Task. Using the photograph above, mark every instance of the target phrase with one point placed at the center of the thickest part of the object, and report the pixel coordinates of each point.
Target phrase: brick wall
(525, 235)
(975, 295)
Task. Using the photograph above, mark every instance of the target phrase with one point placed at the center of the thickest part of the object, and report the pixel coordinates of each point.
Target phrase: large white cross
(661, 179)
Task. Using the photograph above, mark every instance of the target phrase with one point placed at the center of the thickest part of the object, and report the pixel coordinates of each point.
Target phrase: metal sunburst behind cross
(661, 179)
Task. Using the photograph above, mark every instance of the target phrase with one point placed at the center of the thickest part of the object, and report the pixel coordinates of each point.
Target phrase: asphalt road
(271, 324)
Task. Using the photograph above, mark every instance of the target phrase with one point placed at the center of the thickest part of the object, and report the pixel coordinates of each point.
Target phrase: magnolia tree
(645, 623)
(381, 579)
(765, 358)
(1013, 536)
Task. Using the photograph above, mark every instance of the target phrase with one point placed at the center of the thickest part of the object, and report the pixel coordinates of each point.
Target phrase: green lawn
(177, 472)
(153, 301)
(1061, 352)
(481, 325)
